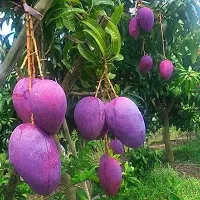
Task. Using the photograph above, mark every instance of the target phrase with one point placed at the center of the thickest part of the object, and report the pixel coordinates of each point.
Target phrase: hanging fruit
(35, 157)
(134, 28)
(146, 18)
(145, 64)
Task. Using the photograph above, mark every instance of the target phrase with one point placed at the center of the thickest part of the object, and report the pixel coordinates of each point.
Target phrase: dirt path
(187, 169)
(184, 168)
(174, 143)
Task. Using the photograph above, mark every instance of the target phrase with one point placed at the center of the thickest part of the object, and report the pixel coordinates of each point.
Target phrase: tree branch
(170, 106)
(82, 93)
(73, 74)
(19, 44)
(12, 184)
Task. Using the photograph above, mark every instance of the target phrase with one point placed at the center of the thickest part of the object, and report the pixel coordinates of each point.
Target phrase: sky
(6, 29)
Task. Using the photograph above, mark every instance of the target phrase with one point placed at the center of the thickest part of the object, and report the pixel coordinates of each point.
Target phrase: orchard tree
(78, 45)
(175, 36)
(77, 39)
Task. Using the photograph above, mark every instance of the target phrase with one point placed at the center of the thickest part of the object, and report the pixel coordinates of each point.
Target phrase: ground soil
(186, 168)
(160, 145)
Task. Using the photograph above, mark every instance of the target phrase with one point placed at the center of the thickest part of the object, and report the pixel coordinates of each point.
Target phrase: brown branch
(68, 138)
(82, 93)
(74, 153)
(170, 106)
(19, 44)
(73, 74)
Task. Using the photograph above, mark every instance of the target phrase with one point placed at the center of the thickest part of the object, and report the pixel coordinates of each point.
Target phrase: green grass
(165, 183)
(189, 152)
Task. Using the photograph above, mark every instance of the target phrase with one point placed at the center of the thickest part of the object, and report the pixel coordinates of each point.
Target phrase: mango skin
(49, 105)
(145, 64)
(126, 122)
(134, 28)
(35, 157)
(117, 147)
(110, 175)
(89, 116)
(21, 99)
(146, 18)
(104, 156)
(166, 69)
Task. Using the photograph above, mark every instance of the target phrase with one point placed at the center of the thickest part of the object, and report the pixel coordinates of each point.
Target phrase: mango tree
(175, 36)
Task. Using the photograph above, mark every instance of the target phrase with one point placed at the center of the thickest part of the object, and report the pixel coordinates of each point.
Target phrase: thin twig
(24, 62)
(143, 49)
(106, 144)
(111, 86)
(162, 34)
(99, 85)
(109, 95)
(82, 93)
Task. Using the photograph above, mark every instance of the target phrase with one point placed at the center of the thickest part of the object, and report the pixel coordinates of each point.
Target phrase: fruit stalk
(32, 49)
(106, 144)
(99, 85)
(111, 86)
(35, 46)
(143, 48)
(28, 35)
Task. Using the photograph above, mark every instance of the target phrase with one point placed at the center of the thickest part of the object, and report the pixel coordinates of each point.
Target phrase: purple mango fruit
(146, 18)
(89, 116)
(49, 105)
(103, 157)
(117, 147)
(126, 122)
(110, 175)
(35, 157)
(21, 99)
(105, 129)
(145, 64)
(134, 28)
(166, 69)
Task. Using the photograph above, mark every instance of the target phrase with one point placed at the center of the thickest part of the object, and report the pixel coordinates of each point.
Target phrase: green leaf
(95, 26)
(194, 54)
(111, 76)
(101, 43)
(81, 194)
(75, 10)
(118, 57)
(187, 86)
(173, 196)
(117, 88)
(116, 16)
(85, 84)
(86, 53)
(69, 22)
(59, 24)
(105, 2)
(115, 38)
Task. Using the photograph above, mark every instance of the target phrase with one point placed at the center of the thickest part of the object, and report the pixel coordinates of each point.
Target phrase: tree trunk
(18, 46)
(12, 184)
(73, 151)
(166, 139)
(70, 192)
